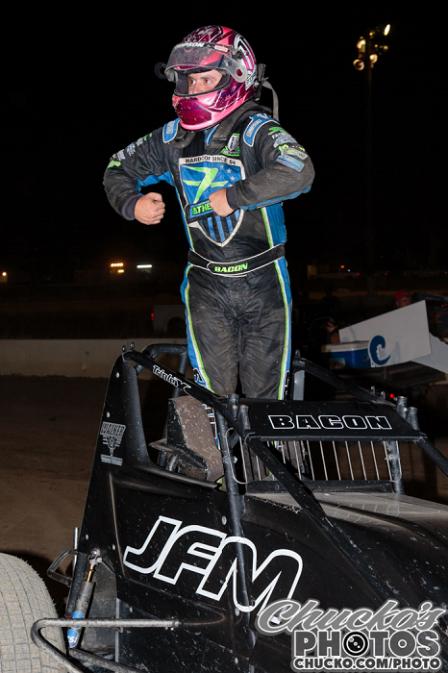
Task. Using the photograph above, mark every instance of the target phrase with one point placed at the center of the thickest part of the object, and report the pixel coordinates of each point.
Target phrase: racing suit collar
(225, 128)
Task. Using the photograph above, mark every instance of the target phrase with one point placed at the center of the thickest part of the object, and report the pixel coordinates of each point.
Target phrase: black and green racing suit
(236, 287)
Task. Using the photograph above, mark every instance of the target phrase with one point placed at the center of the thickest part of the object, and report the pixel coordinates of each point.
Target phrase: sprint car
(256, 536)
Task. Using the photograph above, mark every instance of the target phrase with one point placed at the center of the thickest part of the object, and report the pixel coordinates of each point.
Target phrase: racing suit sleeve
(284, 170)
(140, 164)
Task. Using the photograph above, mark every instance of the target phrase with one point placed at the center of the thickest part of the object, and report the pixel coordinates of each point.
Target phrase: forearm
(121, 192)
(273, 184)
(138, 165)
(280, 169)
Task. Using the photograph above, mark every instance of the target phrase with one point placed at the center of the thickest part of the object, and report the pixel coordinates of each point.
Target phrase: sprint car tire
(24, 599)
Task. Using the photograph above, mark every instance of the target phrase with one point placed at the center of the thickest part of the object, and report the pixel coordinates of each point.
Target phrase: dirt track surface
(48, 435)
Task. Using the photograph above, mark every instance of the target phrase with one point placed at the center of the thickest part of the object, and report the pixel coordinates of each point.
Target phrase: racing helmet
(211, 48)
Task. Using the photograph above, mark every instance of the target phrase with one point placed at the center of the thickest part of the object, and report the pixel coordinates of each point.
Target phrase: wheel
(24, 599)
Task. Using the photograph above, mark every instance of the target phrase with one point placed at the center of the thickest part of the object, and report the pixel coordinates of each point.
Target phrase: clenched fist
(219, 203)
(150, 208)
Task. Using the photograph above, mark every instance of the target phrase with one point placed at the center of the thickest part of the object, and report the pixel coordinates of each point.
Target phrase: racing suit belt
(240, 267)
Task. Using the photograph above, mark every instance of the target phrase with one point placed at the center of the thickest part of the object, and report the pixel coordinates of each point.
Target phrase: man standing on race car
(232, 165)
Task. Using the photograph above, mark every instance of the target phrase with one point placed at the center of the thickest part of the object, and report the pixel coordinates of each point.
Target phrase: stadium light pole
(370, 47)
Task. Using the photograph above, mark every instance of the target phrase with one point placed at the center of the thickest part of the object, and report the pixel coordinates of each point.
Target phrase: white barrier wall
(92, 358)
(399, 336)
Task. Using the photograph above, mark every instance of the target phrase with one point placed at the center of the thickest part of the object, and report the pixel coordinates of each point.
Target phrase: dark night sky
(76, 92)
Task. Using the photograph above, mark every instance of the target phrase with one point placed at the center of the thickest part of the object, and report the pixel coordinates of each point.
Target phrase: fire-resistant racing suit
(236, 287)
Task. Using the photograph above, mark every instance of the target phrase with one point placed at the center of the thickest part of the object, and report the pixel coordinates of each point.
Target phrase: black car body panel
(211, 554)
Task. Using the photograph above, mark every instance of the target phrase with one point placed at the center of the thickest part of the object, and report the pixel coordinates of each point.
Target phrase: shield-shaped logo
(201, 176)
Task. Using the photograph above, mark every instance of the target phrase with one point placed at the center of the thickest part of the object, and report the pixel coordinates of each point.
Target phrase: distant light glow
(371, 47)
(116, 265)
(4, 274)
(120, 270)
(144, 266)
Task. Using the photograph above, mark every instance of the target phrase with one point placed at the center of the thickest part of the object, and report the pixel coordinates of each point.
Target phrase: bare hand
(150, 208)
(220, 204)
